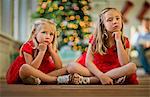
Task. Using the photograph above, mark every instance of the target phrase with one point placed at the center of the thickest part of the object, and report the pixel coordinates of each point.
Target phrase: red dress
(46, 66)
(108, 61)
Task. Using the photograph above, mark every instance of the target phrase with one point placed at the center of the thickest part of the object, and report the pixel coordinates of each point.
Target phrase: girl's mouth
(46, 41)
(116, 26)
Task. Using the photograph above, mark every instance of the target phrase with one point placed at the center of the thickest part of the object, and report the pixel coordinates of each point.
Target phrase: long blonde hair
(100, 38)
(37, 25)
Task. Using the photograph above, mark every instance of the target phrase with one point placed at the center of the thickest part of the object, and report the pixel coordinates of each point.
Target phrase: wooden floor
(142, 90)
(75, 91)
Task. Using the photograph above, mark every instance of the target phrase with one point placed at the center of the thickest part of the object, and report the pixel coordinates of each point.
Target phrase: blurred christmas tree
(72, 19)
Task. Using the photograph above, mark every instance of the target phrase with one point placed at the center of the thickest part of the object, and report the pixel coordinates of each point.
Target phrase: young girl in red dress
(38, 60)
(106, 60)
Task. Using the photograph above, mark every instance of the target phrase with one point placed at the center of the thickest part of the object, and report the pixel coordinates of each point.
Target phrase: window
(7, 17)
(16, 18)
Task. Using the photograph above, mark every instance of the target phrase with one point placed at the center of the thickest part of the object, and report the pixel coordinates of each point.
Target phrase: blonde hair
(37, 25)
(100, 38)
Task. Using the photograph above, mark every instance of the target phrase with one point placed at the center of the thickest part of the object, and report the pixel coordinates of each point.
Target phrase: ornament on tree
(44, 5)
(126, 9)
(144, 10)
(72, 19)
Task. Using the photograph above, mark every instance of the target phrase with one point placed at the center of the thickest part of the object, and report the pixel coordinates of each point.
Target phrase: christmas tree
(72, 19)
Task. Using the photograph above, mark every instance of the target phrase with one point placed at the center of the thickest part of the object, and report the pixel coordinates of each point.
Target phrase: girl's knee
(72, 67)
(132, 66)
(24, 68)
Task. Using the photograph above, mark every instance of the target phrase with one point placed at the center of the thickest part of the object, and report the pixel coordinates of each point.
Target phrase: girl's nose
(114, 21)
(47, 35)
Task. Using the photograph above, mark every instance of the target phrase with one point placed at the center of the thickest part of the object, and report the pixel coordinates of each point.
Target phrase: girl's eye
(117, 18)
(51, 34)
(109, 20)
(44, 32)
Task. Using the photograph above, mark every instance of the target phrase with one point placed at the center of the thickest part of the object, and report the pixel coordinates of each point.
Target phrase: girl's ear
(33, 31)
(34, 35)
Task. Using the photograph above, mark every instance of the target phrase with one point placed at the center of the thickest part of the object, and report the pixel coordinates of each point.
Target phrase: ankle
(65, 79)
(86, 80)
(80, 80)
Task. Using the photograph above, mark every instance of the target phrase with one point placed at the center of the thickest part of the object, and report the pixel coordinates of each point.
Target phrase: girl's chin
(116, 31)
(44, 43)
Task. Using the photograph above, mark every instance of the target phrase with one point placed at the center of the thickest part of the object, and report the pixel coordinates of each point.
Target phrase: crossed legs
(27, 71)
(125, 70)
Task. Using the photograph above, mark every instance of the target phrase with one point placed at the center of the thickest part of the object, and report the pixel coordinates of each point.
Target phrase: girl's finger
(113, 34)
(111, 82)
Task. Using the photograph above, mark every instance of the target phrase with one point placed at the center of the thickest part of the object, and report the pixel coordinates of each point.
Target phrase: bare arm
(92, 67)
(55, 57)
(37, 61)
(122, 53)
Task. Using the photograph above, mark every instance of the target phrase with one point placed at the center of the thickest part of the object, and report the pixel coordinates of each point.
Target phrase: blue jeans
(143, 60)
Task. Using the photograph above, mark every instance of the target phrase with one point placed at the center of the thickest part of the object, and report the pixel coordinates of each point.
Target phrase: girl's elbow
(127, 60)
(58, 63)
(134, 67)
(124, 62)
(87, 63)
(60, 66)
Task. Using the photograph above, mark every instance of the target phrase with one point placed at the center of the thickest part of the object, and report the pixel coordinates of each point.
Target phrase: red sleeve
(127, 43)
(91, 39)
(28, 48)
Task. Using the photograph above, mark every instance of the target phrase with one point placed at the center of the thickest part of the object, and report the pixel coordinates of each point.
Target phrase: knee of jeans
(139, 47)
(72, 67)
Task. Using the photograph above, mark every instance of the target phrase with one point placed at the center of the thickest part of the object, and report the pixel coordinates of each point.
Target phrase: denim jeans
(143, 59)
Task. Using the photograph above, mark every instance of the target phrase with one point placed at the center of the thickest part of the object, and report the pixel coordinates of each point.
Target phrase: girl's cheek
(52, 39)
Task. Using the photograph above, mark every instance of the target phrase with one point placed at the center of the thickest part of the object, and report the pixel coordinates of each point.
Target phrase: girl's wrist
(42, 51)
(118, 40)
(100, 74)
(50, 50)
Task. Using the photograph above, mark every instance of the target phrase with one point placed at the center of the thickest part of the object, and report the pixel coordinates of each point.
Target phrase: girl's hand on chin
(117, 35)
(42, 46)
(47, 41)
(50, 47)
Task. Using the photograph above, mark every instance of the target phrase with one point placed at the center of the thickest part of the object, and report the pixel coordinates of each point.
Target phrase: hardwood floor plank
(20, 90)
